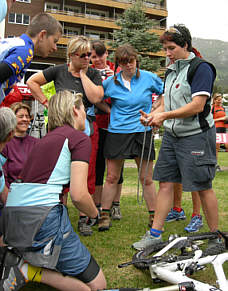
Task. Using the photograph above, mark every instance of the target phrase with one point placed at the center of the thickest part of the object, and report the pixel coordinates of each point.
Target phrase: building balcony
(65, 38)
(93, 20)
(150, 8)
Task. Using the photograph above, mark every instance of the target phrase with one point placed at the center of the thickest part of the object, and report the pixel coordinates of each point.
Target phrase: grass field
(114, 247)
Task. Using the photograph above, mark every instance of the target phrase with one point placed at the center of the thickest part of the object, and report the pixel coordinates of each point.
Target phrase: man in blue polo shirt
(16, 54)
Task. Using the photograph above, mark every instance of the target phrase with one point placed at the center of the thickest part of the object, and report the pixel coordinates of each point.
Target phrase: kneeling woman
(34, 220)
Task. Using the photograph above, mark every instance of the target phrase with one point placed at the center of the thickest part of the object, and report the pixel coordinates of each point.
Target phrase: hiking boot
(174, 215)
(83, 228)
(104, 221)
(115, 212)
(93, 221)
(195, 224)
(146, 241)
(12, 277)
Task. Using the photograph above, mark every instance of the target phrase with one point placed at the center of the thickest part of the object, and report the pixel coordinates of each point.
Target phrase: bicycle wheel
(143, 259)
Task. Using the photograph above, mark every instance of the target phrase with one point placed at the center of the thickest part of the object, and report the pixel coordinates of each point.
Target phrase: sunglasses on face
(127, 61)
(82, 56)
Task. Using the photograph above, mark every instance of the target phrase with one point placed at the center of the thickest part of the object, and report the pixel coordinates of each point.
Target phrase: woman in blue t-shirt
(130, 91)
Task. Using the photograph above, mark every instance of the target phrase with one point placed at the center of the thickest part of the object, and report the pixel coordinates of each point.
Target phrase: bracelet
(45, 101)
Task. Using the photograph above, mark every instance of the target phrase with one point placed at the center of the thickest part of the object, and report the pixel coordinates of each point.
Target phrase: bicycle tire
(142, 255)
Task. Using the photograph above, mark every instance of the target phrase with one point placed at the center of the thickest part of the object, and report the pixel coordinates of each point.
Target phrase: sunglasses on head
(82, 56)
(173, 29)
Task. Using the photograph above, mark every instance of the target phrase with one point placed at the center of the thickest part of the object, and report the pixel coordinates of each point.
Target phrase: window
(25, 1)
(19, 18)
(51, 6)
(72, 9)
(70, 31)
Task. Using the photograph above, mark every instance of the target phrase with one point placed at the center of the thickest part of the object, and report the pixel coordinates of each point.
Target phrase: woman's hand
(152, 119)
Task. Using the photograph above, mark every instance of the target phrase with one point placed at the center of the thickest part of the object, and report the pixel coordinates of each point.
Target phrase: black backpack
(194, 63)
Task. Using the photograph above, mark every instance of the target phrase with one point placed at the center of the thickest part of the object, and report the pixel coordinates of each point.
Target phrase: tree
(134, 29)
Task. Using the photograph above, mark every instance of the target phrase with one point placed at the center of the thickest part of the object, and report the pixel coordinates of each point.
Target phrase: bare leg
(164, 204)
(217, 150)
(177, 200)
(97, 194)
(196, 202)
(110, 186)
(66, 283)
(98, 283)
(118, 193)
(149, 187)
(210, 208)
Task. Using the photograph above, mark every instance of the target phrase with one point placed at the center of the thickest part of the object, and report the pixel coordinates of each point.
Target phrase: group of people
(73, 155)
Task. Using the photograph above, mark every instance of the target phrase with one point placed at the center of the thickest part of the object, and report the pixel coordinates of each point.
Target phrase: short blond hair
(78, 43)
(60, 108)
(19, 105)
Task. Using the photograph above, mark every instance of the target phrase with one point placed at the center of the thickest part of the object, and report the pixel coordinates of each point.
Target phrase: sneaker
(175, 215)
(195, 224)
(146, 241)
(83, 228)
(12, 277)
(104, 221)
(217, 168)
(215, 245)
(115, 212)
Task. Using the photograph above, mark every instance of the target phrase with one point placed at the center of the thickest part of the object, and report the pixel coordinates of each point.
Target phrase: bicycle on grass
(175, 260)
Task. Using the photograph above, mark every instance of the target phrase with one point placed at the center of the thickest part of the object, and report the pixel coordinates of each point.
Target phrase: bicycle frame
(169, 271)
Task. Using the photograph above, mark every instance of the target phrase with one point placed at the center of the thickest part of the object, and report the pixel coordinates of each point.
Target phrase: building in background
(95, 19)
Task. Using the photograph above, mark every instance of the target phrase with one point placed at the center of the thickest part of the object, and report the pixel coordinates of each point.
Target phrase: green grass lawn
(114, 247)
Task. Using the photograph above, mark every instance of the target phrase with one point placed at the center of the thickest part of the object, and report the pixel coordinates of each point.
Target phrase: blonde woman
(48, 240)
(78, 76)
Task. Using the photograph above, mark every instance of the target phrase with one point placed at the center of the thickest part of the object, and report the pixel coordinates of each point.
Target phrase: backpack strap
(194, 63)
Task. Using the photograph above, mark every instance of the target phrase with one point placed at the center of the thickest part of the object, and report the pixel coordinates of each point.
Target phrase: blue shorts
(188, 160)
(74, 257)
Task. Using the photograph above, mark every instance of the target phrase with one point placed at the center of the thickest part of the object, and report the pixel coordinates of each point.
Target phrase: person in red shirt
(106, 69)
(219, 116)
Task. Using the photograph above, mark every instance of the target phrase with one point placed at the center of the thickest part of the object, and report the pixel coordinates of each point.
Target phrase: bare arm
(147, 117)
(103, 106)
(93, 92)
(190, 109)
(4, 195)
(220, 119)
(80, 196)
(34, 83)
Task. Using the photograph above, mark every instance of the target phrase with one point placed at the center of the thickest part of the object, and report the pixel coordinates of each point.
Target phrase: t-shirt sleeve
(80, 147)
(157, 84)
(50, 73)
(18, 59)
(202, 82)
(106, 86)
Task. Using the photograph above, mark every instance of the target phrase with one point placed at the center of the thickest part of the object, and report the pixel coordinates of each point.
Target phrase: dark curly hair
(179, 34)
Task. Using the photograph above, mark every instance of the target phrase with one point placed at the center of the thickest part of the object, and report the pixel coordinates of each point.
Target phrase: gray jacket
(178, 94)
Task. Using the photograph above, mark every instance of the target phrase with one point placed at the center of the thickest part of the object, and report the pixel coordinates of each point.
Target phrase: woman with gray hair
(35, 222)
(7, 126)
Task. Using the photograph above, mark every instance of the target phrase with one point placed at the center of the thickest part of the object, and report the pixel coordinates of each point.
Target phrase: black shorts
(90, 272)
(120, 146)
(220, 130)
(100, 162)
